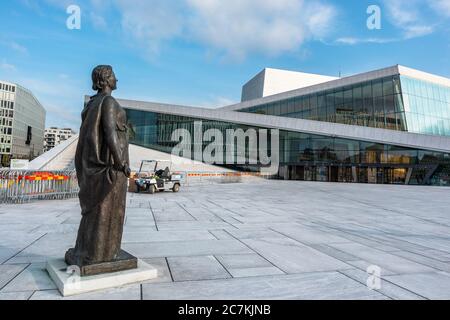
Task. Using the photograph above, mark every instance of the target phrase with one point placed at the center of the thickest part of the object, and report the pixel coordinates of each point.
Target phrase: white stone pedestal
(69, 284)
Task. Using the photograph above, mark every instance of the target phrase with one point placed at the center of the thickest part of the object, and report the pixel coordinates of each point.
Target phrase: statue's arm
(109, 122)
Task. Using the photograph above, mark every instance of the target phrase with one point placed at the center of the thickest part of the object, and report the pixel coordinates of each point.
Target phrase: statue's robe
(103, 186)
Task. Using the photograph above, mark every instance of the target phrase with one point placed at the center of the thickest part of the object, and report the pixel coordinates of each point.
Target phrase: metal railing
(17, 186)
(202, 178)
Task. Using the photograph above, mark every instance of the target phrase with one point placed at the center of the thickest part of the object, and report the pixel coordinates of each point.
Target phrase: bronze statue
(102, 166)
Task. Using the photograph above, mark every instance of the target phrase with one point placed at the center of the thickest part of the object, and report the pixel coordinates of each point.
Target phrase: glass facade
(311, 157)
(427, 106)
(395, 102)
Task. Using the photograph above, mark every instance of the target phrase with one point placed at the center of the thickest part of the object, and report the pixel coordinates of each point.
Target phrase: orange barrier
(44, 176)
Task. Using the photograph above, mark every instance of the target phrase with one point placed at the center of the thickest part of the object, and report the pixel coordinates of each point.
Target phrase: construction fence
(23, 186)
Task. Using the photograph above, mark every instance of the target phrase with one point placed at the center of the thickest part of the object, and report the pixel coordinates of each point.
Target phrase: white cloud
(98, 21)
(406, 15)
(264, 26)
(149, 22)
(354, 41)
(442, 7)
(19, 48)
(234, 27)
(5, 66)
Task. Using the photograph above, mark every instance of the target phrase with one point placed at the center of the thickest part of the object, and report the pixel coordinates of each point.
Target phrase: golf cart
(155, 176)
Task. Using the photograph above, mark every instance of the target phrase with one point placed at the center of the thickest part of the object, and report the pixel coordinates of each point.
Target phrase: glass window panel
(389, 104)
(330, 98)
(297, 105)
(339, 97)
(276, 108)
(397, 85)
(291, 106)
(378, 106)
(313, 102)
(398, 103)
(322, 114)
(284, 108)
(331, 113)
(377, 88)
(358, 99)
(388, 86)
(305, 103)
(321, 101)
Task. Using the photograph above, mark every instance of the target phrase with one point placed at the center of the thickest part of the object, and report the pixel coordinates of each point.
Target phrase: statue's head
(103, 77)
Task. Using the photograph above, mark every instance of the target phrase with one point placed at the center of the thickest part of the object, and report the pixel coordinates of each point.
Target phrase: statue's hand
(123, 168)
(127, 171)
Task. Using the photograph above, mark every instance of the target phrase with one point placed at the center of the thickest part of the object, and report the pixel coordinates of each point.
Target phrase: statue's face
(113, 81)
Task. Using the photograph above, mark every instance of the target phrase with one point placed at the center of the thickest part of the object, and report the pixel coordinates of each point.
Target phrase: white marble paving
(258, 240)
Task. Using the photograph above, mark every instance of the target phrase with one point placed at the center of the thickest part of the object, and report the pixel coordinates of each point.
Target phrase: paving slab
(305, 286)
(9, 272)
(166, 236)
(432, 285)
(293, 257)
(185, 248)
(132, 292)
(196, 268)
(242, 261)
(33, 278)
(254, 272)
(25, 295)
(387, 288)
(382, 259)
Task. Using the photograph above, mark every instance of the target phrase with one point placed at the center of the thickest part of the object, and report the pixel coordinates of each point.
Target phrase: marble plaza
(252, 240)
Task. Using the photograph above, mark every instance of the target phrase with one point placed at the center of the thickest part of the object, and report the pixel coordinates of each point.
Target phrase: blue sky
(200, 52)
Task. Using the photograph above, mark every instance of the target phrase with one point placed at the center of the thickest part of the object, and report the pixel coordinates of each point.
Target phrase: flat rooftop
(258, 240)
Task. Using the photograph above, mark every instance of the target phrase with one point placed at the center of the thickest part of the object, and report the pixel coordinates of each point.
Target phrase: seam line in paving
(214, 234)
(223, 266)
(417, 294)
(309, 246)
(382, 293)
(168, 267)
(427, 264)
(4, 286)
(232, 225)
(25, 248)
(182, 207)
(153, 214)
(218, 205)
(256, 252)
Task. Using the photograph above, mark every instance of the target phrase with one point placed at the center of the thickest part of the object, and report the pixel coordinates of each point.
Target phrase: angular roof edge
(361, 77)
(425, 76)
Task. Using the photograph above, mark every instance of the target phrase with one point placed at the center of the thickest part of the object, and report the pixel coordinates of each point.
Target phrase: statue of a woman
(101, 162)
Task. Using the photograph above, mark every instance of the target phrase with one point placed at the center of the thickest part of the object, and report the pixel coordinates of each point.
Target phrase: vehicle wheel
(152, 189)
(176, 188)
